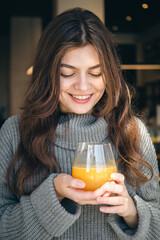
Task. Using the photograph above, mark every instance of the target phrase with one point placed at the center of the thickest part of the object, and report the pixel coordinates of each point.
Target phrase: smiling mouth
(81, 97)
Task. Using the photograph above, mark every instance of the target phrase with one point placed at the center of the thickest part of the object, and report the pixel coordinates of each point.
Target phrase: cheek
(65, 84)
(62, 84)
(101, 89)
(101, 86)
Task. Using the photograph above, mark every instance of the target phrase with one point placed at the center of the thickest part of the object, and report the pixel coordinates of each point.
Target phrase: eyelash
(95, 75)
(68, 76)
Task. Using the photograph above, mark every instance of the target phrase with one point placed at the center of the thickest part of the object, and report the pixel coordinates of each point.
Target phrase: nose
(82, 83)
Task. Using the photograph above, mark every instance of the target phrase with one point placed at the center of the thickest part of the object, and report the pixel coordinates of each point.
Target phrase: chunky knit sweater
(40, 216)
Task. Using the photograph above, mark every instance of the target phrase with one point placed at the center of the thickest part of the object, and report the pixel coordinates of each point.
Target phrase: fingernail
(102, 209)
(112, 182)
(99, 199)
(81, 184)
(113, 175)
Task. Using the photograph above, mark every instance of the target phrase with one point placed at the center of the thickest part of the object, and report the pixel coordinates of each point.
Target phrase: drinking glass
(93, 164)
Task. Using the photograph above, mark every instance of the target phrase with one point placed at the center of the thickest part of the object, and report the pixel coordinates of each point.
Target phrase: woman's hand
(72, 188)
(111, 193)
(121, 203)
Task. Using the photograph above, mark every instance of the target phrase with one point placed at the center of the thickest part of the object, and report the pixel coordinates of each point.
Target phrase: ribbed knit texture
(40, 216)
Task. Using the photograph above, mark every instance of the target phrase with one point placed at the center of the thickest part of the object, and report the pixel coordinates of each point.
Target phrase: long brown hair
(40, 112)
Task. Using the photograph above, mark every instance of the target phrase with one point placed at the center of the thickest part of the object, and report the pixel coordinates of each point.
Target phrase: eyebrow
(72, 67)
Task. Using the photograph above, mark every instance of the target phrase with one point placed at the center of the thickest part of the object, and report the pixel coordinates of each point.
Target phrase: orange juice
(93, 177)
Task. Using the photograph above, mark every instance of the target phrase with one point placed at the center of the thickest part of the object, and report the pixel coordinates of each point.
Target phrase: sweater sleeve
(37, 216)
(146, 199)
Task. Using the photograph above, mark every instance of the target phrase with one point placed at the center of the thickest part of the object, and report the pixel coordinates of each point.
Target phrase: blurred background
(134, 24)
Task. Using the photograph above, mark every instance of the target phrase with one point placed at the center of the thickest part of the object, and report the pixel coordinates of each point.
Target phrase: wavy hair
(40, 112)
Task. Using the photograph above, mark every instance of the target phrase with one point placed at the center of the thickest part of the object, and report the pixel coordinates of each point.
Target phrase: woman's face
(81, 82)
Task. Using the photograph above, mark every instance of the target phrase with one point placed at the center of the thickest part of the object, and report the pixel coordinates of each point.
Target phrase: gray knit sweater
(40, 216)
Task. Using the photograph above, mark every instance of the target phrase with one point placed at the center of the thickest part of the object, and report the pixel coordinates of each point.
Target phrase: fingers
(69, 181)
(113, 188)
(100, 191)
(115, 209)
(119, 206)
(64, 185)
(118, 178)
(76, 183)
(90, 197)
(113, 200)
(82, 197)
(72, 188)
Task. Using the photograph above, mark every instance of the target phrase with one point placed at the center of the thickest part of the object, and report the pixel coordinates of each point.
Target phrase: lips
(81, 98)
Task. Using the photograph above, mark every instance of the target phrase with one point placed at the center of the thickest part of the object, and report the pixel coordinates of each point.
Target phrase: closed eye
(95, 75)
(67, 75)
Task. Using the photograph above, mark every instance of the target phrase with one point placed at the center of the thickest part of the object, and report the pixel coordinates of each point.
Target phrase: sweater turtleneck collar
(74, 128)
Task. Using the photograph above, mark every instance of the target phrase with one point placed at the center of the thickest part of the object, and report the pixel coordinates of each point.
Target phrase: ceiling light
(145, 5)
(115, 28)
(128, 18)
(140, 67)
(29, 71)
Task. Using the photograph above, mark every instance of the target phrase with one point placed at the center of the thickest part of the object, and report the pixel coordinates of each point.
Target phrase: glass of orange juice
(93, 164)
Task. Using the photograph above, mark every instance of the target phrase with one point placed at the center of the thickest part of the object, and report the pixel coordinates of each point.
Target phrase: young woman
(76, 94)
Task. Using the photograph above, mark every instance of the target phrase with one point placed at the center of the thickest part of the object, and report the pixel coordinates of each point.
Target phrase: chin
(77, 110)
(83, 112)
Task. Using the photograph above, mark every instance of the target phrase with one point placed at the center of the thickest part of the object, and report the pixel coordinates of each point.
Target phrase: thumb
(73, 182)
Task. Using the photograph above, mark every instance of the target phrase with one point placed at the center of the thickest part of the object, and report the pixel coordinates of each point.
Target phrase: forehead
(81, 55)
